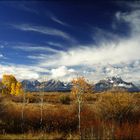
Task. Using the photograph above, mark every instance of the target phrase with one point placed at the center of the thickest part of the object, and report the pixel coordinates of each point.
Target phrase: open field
(103, 116)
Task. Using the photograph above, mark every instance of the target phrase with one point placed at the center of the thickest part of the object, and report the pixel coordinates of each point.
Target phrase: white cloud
(61, 72)
(36, 48)
(120, 56)
(55, 44)
(21, 71)
(55, 19)
(133, 19)
(104, 35)
(112, 53)
(1, 56)
(38, 57)
(122, 51)
(34, 72)
(44, 30)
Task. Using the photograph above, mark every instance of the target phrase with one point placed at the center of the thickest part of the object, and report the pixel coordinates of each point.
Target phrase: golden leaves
(12, 86)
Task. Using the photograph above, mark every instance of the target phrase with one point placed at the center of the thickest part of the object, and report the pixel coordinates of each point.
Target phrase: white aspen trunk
(79, 113)
(22, 111)
(41, 106)
(79, 116)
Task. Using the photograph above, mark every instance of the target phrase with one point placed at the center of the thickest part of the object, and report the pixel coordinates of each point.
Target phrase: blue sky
(60, 39)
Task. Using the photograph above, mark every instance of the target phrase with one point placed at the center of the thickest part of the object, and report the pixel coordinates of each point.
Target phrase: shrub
(80, 87)
(64, 99)
(55, 119)
(32, 98)
(116, 106)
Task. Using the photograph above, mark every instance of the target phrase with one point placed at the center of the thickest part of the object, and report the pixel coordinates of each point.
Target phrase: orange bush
(116, 106)
(80, 86)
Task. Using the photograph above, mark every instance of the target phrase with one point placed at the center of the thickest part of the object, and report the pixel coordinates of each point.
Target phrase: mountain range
(115, 83)
(50, 85)
(56, 85)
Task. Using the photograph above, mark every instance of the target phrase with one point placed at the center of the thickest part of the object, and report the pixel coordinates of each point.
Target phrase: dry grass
(60, 118)
(40, 136)
(103, 116)
(35, 97)
(117, 106)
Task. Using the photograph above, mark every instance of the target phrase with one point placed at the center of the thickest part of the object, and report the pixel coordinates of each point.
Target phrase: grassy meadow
(108, 115)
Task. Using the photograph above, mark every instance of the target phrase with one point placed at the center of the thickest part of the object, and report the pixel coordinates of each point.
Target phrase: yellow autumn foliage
(80, 86)
(18, 89)
(12, 86)
(8, 80)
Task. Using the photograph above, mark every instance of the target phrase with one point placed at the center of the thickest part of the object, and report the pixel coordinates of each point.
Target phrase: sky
(60, 39)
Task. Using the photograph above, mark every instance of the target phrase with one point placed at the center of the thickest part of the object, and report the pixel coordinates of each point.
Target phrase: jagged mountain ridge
(116, 83)
(50, 85)
(56, 85)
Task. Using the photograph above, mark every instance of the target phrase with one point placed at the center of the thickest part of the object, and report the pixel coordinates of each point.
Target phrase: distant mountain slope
(115, 82)
(30, 85)
(102, 85)
(51, 85)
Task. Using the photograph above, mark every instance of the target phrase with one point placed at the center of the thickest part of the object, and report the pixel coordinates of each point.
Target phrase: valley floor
(110, 115)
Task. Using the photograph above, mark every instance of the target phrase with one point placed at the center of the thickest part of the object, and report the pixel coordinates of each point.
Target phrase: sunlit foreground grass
(111, 115)
(54, 135)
